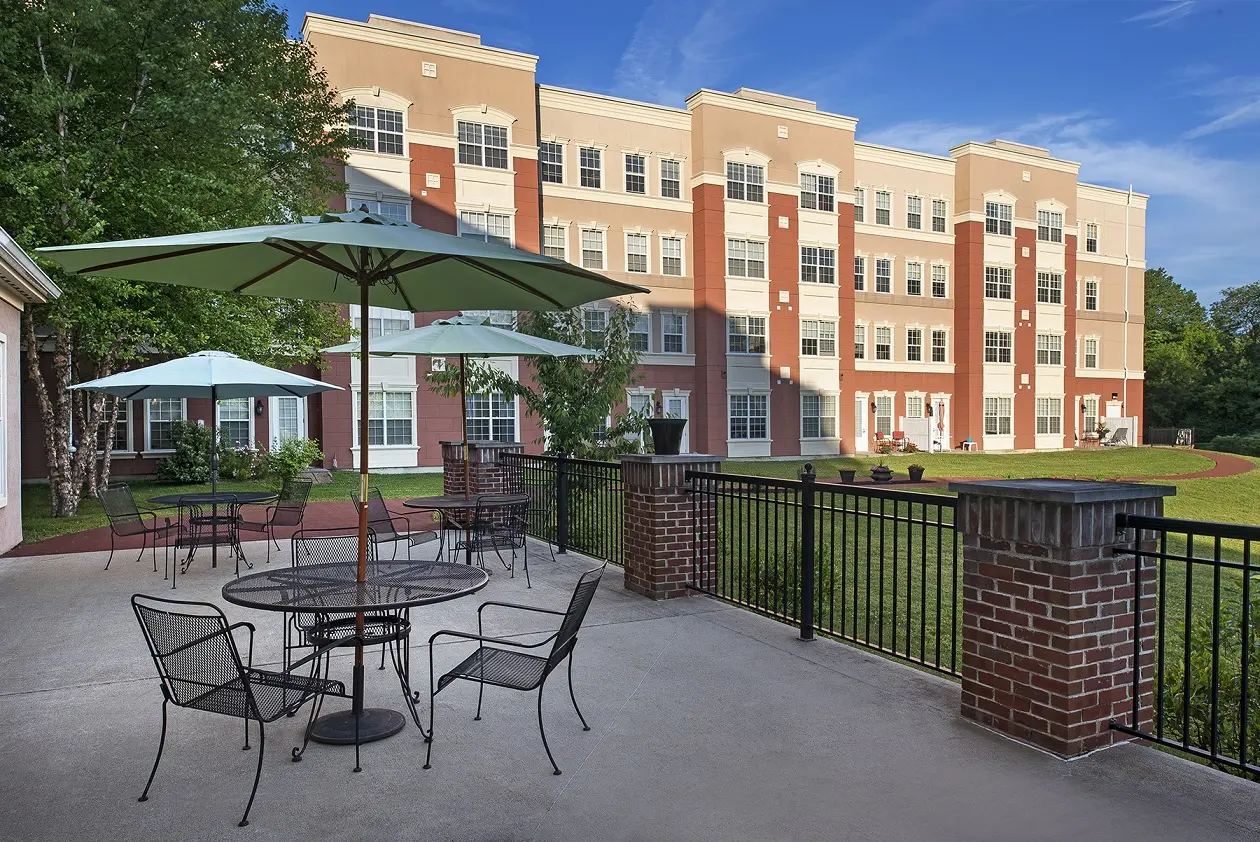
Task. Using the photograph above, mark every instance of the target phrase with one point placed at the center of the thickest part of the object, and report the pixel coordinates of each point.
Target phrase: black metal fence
(574, 503)
(884, 571)
(1200, 593)
(1170, 436)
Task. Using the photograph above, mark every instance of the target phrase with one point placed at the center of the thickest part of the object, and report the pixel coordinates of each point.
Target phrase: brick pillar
(485, 473)
(1048, 610)
(657, 522)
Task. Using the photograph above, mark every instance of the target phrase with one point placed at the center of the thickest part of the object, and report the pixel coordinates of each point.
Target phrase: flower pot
(881, 473)
(916, 473)
(667, 435)
(848, 476)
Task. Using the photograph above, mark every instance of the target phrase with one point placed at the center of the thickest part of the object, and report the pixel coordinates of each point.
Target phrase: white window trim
(148, 427)
(747, 314)
(932, 266)
(674, 312)
(924, 277)
(516, 421)
(681, 160)
(635, 313)
(510, 213)
(948, 344)
(748, 156)
(647, 171)
(925, 343)
(983, 345)
(486, 115)
(564, 163)
(820, 393)
(726, 265)
(1097, 351)
(892, 344)
(1062, 349)
(769, 414)
(592, 226)
(866, 340)
(377, 98)
(646, 234)
(1001, 396)
(872, 266)
(892, 207)
(603, 165)
(682, 251)
(249, 402)
(124, 416)
(834, 322)
(1001, 197)
(356, 198)
(386, 387)
(922, 215)
(565, 226)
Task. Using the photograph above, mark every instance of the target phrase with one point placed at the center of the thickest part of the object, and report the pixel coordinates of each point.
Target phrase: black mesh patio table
(215, 526)
(333, 589)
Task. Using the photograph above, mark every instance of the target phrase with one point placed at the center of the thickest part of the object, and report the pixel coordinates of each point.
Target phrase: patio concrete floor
(708, 723)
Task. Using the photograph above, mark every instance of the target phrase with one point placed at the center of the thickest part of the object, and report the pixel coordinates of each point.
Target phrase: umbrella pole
(463, 414)
(214, 476)
(364, 289)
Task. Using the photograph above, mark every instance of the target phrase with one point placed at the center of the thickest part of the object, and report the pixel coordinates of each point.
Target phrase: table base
(374, 724)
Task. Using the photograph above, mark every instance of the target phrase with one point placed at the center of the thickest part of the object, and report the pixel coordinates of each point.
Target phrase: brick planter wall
(1048, 611)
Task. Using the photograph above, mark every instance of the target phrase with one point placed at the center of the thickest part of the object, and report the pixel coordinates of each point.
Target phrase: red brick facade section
(1048, 610)
(784, 329)
(1024, 406)
(967, 406)
(657, 523)
(436, 209)
(708, 410)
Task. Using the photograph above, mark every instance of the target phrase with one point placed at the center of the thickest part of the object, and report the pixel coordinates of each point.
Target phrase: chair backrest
(575, 614)
(191, 646)
(292, 503)
(379, 519)
(1121, 435)
(323, 546)
(120, 506)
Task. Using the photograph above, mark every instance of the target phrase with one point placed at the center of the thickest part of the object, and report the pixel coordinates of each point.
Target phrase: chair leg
(110, 560)
(144, 545)
(246, 746)
(262, 744)
(542, 732)
(144, 796)
(525, 556)
(585, 727)
(428, 749)
(317, 704)
(481, 689)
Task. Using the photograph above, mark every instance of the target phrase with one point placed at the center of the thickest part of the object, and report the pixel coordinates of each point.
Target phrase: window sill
(383, 155)
(761, 203)
(504, 170)
(747, 355)
(749, 441)
(376, 447)
(1010, 365)
(148, 454)
(730, 278)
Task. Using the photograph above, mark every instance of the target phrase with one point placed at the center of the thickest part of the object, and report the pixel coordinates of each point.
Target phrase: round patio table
(331, 588)
(196, 501)
(444, 503)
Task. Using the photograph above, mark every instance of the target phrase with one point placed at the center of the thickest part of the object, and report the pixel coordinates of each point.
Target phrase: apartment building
(809, 292)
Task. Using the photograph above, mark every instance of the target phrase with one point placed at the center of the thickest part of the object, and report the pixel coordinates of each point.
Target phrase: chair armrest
(486, 639)
(520, 607)
(318, 653)
(250, 627)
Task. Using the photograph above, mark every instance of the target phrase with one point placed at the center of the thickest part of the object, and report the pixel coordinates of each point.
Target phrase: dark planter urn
(667, 435)
(848, 476)
(881, 473)
(916, 473)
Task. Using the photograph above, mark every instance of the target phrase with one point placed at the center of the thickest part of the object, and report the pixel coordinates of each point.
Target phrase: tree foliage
(138, 118)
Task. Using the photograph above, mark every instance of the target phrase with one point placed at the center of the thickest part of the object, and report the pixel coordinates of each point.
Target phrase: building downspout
(1124, 394)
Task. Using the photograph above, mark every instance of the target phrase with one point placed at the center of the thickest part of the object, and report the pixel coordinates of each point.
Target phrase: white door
(288, 419)
(860, 444)
(676, 407)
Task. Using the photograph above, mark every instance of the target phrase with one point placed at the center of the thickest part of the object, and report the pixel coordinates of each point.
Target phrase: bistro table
(197, 502)
(448, 503)
(331, 589)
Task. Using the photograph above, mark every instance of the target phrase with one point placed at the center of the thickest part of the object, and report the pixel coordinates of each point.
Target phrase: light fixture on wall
(872, 406)
(1083, 410)
(1115, 396)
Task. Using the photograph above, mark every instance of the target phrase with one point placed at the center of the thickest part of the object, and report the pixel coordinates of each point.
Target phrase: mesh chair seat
(499, 667)
(275, 694)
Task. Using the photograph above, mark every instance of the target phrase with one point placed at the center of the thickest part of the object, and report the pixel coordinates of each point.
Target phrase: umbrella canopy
(205, 374)
(464, 336)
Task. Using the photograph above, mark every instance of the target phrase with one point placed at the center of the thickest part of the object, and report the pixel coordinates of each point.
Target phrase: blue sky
(1163, 94)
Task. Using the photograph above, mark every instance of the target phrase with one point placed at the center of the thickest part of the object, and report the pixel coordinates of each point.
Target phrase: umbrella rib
(422, 262)
(503, 276)
(149, 258)
(274, 269)
(310, 253)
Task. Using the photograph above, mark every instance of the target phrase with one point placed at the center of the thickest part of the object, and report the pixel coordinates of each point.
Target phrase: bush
(190, 463)
(292, 458)
(239, 463)
(1246, 445)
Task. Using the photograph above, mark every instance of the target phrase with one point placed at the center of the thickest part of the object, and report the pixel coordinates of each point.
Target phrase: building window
(122, 430)
(859, 273)
(592, 248)
(397, 211)
(1049, 349)
(596, 323)
(883, 343)
(234, 421)
(1049, 288)
(745, 182)
(884, 414)
(997, 282)
(997, 416)
(750, 416)
(391, 418)
(551, 162)
(818, 338)
(1091, 237)
(671, 255)
(377, 129)
(914, 406)
(1049, 415)
(556, 241)
(998, 218)
(503, 319)
(818, 416)
(938, 215)
(914, 344)
(818, 265)
(1050, 226)
(636, 174)
(939, 346)
(1091, 295)
(818, 192)
(883, 207)
(914, 278)
(489, 227)
(997, 346)
(637, 253)
(914, 213)
(384, 321)
(883, 274)
(859, 204)
(745, 259)
(940, 281)
(483, 146)
(163, 412)
(590, 166)
(671, 179)
(491, 417)
(1091, 352)
(1091, 415)
(859, 342)
(641, 332)
(746, 334)
(673, 333)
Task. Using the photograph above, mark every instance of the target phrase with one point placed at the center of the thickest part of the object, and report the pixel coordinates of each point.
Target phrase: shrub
(238, 463)
(292, 458)
(1246, 445)
(190, 463)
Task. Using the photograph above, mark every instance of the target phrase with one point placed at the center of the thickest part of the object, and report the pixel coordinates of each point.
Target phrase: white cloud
(1236, 104)
(1165, 13)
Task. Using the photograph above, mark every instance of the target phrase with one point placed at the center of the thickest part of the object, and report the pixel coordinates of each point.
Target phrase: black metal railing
(885, 569)
(574, 503)
(1196, 689)
(1170, 436)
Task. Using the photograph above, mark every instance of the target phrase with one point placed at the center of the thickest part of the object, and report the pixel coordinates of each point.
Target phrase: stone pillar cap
(680, 459)
(1071, 491)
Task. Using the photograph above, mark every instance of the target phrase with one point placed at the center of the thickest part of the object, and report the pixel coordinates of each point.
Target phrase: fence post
(562, 503)
(807, 552)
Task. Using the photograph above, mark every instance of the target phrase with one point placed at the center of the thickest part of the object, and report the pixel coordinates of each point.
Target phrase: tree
(139, 118)
(572, 396)
(1170, 307)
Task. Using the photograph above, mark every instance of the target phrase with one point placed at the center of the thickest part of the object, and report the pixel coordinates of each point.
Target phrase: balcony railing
(574, 503)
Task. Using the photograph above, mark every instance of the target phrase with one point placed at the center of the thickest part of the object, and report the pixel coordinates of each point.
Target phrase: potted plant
(667, 435)
(848, 475)
(880, 472)
(916, 473)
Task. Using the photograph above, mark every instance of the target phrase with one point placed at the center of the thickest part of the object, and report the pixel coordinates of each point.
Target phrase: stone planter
(881, 473)
(848, 476)
(667, 435)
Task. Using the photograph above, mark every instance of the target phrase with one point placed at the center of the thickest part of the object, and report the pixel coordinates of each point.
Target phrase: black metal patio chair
(385, 525)
(542, 512)
(516, 668)
(288, 510)
(200, 667)
(499, 525)
(127, 519)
